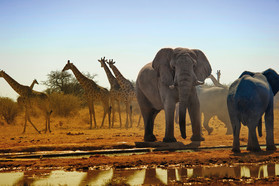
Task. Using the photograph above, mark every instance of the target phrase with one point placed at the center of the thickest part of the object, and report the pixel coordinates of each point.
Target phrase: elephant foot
(209, 130)
(169, 140)
(254, 149)
(236, 150)
(197, 138)
(150, 138)
(271, 147)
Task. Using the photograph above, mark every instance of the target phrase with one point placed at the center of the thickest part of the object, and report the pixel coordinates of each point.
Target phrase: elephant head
(271, 76)
(183, 69)
(273, 79)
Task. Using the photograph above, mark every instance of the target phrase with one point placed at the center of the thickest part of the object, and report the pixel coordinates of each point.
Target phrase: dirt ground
(73, 133)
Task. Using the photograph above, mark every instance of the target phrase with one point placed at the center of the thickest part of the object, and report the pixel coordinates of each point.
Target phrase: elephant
(249, 97)
(213, 102)
(170, 78)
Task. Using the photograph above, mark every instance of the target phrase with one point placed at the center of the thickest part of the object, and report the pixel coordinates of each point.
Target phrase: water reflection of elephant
(136, 176)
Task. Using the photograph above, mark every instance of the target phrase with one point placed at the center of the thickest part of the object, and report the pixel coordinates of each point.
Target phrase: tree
(64, 82)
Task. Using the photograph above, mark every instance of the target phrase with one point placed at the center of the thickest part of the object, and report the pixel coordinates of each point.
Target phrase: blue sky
(37, 36)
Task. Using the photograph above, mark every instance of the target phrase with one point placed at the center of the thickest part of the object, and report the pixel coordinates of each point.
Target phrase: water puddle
(135, 176)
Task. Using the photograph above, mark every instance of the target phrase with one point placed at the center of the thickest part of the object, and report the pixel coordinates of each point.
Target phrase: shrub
(8, 109)
(64, 105)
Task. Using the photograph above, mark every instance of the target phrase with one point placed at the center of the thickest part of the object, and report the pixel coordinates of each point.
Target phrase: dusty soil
(73, 133)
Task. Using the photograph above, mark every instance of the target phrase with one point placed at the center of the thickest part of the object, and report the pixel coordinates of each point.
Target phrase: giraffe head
(67, 66)
(1, 73)
(111, 62)
(35, 82)
(102, 61)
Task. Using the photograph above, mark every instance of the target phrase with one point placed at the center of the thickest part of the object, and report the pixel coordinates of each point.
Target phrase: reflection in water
(10, 178)
(60, 177)
(134, 176)
(244, 172)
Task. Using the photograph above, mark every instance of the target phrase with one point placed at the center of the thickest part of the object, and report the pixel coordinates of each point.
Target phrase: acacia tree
(64, 82)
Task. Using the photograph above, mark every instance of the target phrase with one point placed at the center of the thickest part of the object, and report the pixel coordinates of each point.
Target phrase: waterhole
(136, 176)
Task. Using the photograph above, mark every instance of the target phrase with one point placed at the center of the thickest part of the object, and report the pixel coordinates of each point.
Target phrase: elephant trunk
(182, 118)
(184, 93)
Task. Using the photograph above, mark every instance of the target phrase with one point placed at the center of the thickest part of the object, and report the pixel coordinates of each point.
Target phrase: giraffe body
(116, 95)
(93, 92)
(30, 98)
(128, 92)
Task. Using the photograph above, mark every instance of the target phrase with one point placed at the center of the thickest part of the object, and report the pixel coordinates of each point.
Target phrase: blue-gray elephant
(249, 97)
(171, 78)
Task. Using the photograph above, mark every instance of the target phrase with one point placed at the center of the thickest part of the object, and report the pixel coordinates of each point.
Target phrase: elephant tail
(260, 128)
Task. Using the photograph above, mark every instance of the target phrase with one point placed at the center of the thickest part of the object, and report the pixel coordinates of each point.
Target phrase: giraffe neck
(112, 80)
(32, 85)
(20, 89)
(83, 80)
(124, 83)
(117, 73)
(215, 82)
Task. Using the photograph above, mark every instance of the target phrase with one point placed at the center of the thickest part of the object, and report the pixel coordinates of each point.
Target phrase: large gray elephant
(171, 78)
(213, 102)
(249, 97)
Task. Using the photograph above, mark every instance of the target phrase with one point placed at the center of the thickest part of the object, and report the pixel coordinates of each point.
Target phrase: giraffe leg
(113, 112)
(93, 113)
(104, 116)
(119, 112)
(127, 115)
(130, 115)
(28, 117)
(25, 121)
(90, 115)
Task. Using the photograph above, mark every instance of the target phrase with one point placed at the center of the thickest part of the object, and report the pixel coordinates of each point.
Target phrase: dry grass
(73, 133)
(8, 109)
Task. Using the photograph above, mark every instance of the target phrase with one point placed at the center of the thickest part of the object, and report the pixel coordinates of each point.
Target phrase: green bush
(64, 105)
(8, 109)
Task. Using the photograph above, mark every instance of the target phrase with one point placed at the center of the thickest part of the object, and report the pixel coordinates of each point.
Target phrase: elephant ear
(273, 79)
(203, 68)
(161, 64)
(247, 73)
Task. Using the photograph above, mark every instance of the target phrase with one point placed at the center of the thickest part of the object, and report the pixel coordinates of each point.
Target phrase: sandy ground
(73, 133)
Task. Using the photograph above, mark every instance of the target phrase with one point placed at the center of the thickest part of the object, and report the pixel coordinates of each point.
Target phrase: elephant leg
(226, 121)
(169, 117)
(205, 123)
(176, 113)
(148, 118)
(269, 125)
(195, 116)
(148, 115)
(235, 123)
(253, 144)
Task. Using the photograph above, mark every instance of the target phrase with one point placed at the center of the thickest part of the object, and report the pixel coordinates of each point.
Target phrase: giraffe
(128, 90)
(20, 99)
(30, 98)
(93, 92)
(215, 81)
(218, 75)
(116, 93)
(33, 83)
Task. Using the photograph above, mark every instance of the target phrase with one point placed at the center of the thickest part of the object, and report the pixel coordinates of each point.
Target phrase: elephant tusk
(199, 83)
(171, 86)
